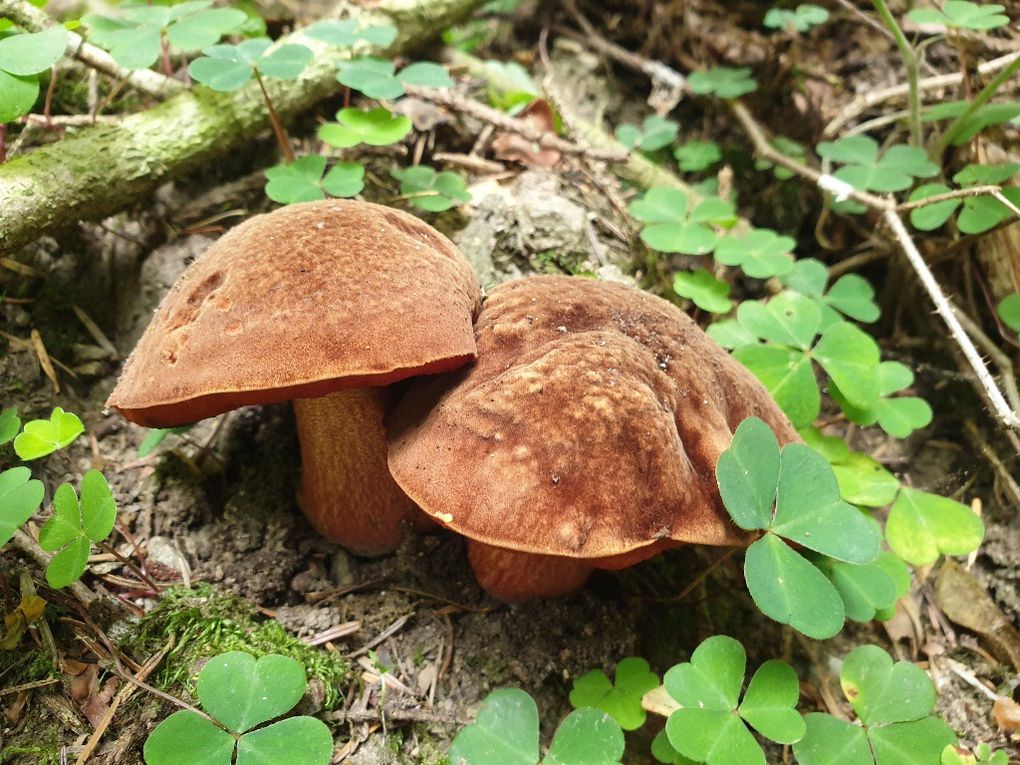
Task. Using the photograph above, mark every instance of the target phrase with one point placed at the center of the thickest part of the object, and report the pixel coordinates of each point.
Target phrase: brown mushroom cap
(297, 303)
(589, 427)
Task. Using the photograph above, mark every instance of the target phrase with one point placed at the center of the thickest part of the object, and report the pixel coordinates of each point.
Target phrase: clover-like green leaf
(980, 214)
(1008, 310)
(789, 319)
(660, 204)
(18, 94)
(32, 52)
(863, 481)
(285, 62)
(432, 191)
(506, 731)
(722, 81)
(800, 19)
(866, 589)
(898, 416)
(982, 755)
(729, 333)
(853, 296)
(74, 525)
(984, 116)
(962, 14)
(345, 33)
(622, 700)
(375, 127)
(882, 692)
(761, 254)
(788, 375)
(228, 67)
(654, 133)
(851, 358)
(932, 216)
(156, 436)
(707, 292)
(20, 497)
(831, 741)
(242, 692)
(10, 424)
(748, 474)
(671, 228)
(695, 156)
(378, 77)
(921, 526)
(306, 179)
(709, 726)
(42, 437)
(864, 169)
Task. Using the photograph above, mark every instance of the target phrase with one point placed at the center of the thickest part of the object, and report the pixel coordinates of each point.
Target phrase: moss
(205, 622)
(38, 753)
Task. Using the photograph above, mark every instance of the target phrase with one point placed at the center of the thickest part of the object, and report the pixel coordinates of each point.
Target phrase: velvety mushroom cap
(589, 427)
(297, 303)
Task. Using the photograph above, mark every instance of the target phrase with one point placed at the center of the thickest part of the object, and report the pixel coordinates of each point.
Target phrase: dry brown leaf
(965, 602)
(1007, 714)
(538, 116)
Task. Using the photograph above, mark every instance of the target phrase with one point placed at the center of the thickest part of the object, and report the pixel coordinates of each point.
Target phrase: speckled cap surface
(300, 302)
(590, 425)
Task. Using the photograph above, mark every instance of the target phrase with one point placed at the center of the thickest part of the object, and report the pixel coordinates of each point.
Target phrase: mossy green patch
(204, 622)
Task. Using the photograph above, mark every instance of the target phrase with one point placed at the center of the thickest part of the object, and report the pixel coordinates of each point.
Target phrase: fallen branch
(107, 168)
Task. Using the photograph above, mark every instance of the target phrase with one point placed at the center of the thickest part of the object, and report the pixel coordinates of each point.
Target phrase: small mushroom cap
(297, 303)
(589, 427)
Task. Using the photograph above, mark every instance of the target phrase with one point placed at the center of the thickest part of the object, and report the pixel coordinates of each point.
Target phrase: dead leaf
(29, 611)
(1007, 714)
(98, 704)
(965, 602)
(538, 117)
(13, 712)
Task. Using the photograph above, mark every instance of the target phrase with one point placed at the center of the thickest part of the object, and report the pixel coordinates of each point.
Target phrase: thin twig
(480, 111)
(973, 191)
(1001, 360)
(945, 310)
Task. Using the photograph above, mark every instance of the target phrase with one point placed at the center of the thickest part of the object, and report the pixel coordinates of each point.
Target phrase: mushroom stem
(346, 489)
(517, 576)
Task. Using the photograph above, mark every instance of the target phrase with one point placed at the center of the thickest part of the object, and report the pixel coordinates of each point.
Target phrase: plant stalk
(950, 133)
(910, 64)
(274, 120)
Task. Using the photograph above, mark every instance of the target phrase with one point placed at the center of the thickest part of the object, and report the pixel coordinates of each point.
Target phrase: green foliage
(306, 180)
(622, 700)
(790, 148)
(135, 37)
(982, 755)
(654, 133)
(1008, 310)
(707, 292)
(42, 437)
(378, 77)
(893, 703)
(156, 436)
(850, 295)
(10, 424)
(431, 191)
(229, 67)
(984, 116)
(866, 170)
(722, 81)
(20, 497)
(793, 496)
(962, 14)
(671, 227)
(899, 416)
(204, 622)
(801, 19)
(22, 58)
(979, 213)
(711, 725)
(241, 693)
(695, 156)
(789, 325)
(921, 526)
(346, 33)
(761, 253)
(375, 127)
(506, 732)
(75, 525)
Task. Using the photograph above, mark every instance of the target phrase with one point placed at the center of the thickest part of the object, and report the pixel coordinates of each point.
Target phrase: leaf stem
(105, 547)
(950, 133)
(910, 64)
(274, 120)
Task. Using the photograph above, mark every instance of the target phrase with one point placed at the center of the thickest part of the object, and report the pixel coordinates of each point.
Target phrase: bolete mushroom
(585, 436)
(323, 303)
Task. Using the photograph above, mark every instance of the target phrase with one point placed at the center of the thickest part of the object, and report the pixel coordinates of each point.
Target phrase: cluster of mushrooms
(563, 425)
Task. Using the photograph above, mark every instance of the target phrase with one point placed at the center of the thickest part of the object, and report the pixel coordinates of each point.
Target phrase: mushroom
(585, 436)
(323, 303)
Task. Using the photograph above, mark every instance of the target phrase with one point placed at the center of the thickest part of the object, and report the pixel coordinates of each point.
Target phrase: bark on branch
(106, 168)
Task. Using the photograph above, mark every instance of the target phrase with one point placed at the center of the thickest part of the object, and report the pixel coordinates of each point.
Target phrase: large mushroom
(325, 304)
(585, 436)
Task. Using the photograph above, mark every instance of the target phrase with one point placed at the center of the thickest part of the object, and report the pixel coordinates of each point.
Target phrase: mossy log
(106, 168)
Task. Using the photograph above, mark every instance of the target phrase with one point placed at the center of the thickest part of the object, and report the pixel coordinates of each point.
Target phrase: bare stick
(945, 310)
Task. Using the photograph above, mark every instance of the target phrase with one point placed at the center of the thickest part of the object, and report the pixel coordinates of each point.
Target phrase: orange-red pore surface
(296, 304)
(587, 432)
